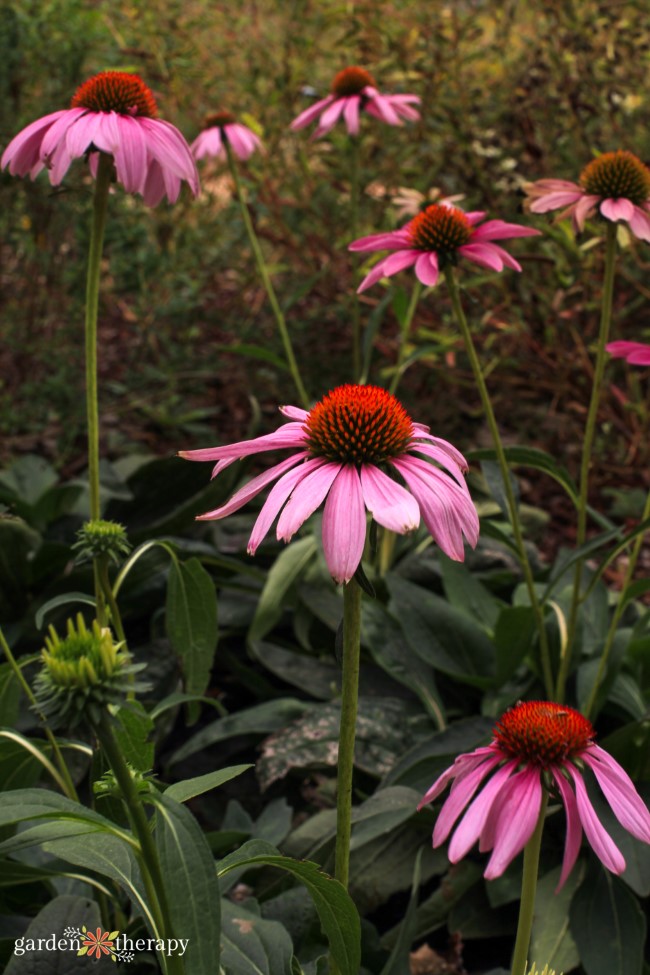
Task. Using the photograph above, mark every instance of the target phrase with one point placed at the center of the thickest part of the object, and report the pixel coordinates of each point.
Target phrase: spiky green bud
(97, 538)
(533, 970)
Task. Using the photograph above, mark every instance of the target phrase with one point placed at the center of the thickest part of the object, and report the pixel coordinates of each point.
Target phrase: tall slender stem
(354, 231)
(528, 891)
(347, 731)
(505, 476)
(149, 862)
(100, 206)
(266, 281)
(66, 778)
(405, 328)
(616, 617)
(587, 447)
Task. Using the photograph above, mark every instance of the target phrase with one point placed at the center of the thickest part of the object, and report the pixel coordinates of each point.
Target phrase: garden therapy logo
(94, 944)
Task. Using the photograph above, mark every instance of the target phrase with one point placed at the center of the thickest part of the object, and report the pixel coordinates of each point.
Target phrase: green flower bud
(533, 970)
(82, 674)
(97, 538)
(108, 785)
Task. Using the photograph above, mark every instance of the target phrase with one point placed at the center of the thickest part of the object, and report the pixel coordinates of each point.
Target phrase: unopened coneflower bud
(97, 538)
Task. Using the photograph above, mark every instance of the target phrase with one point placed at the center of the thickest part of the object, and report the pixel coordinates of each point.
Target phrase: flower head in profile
(636, 353)
(355, 450)
(616, 185)
(537, 746)
(437, 237)
(221, 129)
(113, 112)
(354, 91)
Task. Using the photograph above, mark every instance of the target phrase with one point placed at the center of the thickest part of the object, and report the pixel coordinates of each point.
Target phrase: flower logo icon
(97, 944)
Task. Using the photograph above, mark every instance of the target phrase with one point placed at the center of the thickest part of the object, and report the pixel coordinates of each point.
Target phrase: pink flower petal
(471, 825)
(436, 453)
(208, 143)
(351, 114)
(461, 767)
(288, 435)
(330, 117)
(462, 791)
(485, 255)
(499, 230)
(601, 842)
(376, 274)
(396, 240)
(640, 224)
(311, 113)
(306, 497)
(556, 200)
(620, 209)
(23, 154)
(512, 819)
(131, 155)
(252, 488)
(636, 353)
(426, 269)
(294, 412)
(388, 502)
(380, 106)
(627, 805)
(573, 837)
(277, 497)
(583, 209)
(344, 525)
(397, 262)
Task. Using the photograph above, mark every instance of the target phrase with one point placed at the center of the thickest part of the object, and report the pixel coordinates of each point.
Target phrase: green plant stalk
(528, 891)
(266, 281)
(70, 790)
(100, 206)
(403, 338)
(115, 616)
(616, 617)
(149, 862)
(347, 730)
(354, 232)
(505, 476)
(590, 431)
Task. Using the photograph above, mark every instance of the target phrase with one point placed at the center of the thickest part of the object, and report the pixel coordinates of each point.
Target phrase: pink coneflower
(354, 450)
(113, 112)
(537, 746)
(636, 353)
(434, 238)
(221, 128)
(616, 185)
(354, 91)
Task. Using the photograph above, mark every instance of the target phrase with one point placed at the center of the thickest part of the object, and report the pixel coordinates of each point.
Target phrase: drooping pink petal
(461, 767)
(166, 145)
(583, 209)
(436, 453)
(288, 435)
(627, 805)
(131, 155)
(244, 142)
(388, 502)
(56, 133)
(294, 412)
(397, 262)
(486, 255)
(426, 269)
(208, 143)
(351, 114)
(395, 240)
(512, 820)
(344, 525)
(80, 136)
(306, 497)
(500, 230)
(311, 113)
(471, 825)
(555, 200)
(330, 117)
(640, 223)
(376, 274)
(452, 453)
(154, 187)
(462, 791)
(252, 488)
(402, 105)
(278, 494)
(620, 209)
(23, 153)
(573, 837)
(382, 105)
(601, 842)
(636, 353)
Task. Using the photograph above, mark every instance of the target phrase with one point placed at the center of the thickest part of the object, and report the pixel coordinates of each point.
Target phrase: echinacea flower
(435, 238)
(354, 450)
(113, 112)
(221, 128)
(538, 746)
(616, 185)
(636, 353)
(353, 91)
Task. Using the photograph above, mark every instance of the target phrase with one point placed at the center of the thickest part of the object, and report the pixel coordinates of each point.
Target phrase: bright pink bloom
(616, 185)
(221, 128)
(435, 237)
(113, 112)
(356, 449)
(537, 745)
(354, 91)
(636, 353)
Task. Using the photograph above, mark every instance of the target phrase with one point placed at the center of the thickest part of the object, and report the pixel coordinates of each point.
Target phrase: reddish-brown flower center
(218, 119)
(440, 228)
(358, 425)
(116, 91)
(543, 733)
(617, 175)
(351, 81)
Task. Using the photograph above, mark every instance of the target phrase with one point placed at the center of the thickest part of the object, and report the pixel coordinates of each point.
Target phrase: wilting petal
(344, 525)
(388, 502)
(583, 209)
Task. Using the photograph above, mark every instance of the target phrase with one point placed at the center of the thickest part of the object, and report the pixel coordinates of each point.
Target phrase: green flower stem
(349, 702)
(66, 778)
(115, 616)
(354, 232)
(404, 334)
(528, 891)
(505, 476)
(266, 281)
(149, 862)
(616, 617)
(100, 206)
(587, 447)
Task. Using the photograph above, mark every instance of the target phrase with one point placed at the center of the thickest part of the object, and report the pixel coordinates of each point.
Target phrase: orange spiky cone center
(352, 81)
(218, 120)
(116, 91)
(358, 425)
(440, 228)
(617, 175)
(543, 733)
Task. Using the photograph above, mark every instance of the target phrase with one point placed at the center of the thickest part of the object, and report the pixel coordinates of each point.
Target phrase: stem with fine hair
(587, 446)
(266, 280)
(354, 230)
(616, 617)
(66, 778)
(149, 861)
(505, 476)
(528, 891)
(100, 206)
(405, 328)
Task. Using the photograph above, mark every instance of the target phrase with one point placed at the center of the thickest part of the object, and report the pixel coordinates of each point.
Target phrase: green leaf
(251, 945)
(531, 457)
(63, 600)
(317, 677)
(398, 962)
(10, 692)
(188, 788)
(493, 478)
(513, 638)
(190, 879)
(607, 925)
(433, 912)
(260, 352)
(551, 940)
(287, 568)
(63, 911)
(467, 594)
(336, 911)
(133, 732)
(18, 544)
(177, 698)
(191, 615)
